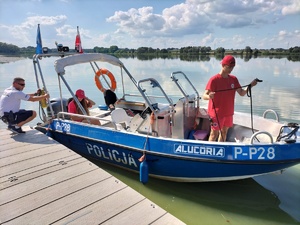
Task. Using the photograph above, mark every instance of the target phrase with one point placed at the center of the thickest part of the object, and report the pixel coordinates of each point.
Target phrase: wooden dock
(43, 182)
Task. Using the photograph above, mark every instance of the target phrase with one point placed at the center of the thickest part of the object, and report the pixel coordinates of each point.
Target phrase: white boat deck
(43, 182)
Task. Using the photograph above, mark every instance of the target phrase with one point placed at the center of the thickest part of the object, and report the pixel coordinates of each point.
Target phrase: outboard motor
(56, 106)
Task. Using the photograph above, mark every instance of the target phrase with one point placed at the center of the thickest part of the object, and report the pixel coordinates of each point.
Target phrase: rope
(249, 94)
(213, 102)
(293, 127)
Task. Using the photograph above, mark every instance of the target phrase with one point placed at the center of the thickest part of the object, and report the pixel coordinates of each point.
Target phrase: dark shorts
(22, 115)
(17, 117)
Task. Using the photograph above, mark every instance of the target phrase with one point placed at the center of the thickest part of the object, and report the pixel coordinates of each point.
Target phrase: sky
(232, 24)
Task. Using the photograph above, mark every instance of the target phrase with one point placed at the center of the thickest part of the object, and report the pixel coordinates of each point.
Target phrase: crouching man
(10, 103)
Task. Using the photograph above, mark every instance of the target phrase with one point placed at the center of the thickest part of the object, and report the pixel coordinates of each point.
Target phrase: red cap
(228, 60)
(80, 93)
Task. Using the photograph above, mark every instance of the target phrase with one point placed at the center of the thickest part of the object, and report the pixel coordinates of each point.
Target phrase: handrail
(261, 132)
(154, 84)
(175, 79)
(273, 111)
(61, 114)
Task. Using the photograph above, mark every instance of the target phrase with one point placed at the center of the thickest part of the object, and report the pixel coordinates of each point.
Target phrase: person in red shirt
(86, 103)
(220, 91)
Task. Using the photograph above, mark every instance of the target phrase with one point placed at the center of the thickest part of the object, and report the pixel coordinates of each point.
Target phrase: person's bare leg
(213, 135)
(28, 119)
(95, 122)
(223, 134)
(92, 121)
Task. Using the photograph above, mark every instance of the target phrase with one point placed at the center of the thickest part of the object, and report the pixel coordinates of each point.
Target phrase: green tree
(248, 50)
(220, 51)
(9, 48)
(113, 49)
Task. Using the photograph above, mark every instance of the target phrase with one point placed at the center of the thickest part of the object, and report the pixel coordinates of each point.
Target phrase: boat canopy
(60, 64)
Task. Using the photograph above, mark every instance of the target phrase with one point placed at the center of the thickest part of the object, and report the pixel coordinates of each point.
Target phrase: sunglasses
(21, 84)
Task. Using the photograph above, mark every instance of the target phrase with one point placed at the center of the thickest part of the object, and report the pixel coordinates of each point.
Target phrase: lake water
(270, 199)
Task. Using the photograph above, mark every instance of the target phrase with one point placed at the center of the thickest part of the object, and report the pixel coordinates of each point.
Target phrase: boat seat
(119, 116)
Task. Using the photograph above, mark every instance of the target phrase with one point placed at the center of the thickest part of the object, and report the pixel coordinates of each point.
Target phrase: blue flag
(39, 47)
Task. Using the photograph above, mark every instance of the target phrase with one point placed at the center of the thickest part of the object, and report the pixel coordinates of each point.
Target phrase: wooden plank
(105, 209)
(168, 219)
(29, 155)
(38, 163)
(25, 143)
(17, 148)
(15, 179)
(47, 197)
(147, 213)
(111, 211)
(43, 182)
(24, 140)
(71, 203)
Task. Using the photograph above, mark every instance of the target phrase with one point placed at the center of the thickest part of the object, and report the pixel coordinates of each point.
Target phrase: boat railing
(261, 132)
(150, 100)
(40, 81)
(64, 115)
(272, 111)
(174, 77)
(137, 95)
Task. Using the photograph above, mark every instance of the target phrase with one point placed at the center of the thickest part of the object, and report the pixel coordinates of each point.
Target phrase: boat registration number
(256, 153)
(65, 127)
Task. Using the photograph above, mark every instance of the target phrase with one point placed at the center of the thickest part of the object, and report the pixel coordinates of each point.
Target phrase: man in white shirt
(10, 103)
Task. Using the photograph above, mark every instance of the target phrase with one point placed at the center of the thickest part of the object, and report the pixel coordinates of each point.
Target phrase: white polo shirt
(11, 100)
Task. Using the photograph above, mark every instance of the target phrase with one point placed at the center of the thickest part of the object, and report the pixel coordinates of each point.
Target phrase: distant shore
(7, 59)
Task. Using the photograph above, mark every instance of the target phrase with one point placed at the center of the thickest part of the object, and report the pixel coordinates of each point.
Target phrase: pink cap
(228, 60)
(80, 93)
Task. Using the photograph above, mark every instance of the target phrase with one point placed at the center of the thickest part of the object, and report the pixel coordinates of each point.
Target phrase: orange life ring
(103, 72)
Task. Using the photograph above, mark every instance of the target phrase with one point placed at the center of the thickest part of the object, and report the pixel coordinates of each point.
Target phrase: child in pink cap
(86, 103)
(220, 91)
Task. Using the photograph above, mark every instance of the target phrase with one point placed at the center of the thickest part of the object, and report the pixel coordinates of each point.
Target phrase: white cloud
(22, 32)
(45, 20)
(238, 39)
(137, 22)
(293, 8)
(205, 18)
(196, 17)
(282, 34)
(204, 41)
(215, 23)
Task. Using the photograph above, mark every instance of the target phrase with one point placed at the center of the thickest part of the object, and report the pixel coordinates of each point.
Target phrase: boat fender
(43, 102)
(103, 72)
(144, 172)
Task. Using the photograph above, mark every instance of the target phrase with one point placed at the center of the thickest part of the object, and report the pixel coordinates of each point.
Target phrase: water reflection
(286, 186)
(234, 202)
(265, 200)
(207, 58)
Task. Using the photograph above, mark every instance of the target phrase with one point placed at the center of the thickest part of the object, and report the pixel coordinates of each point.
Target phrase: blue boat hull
(176, 160)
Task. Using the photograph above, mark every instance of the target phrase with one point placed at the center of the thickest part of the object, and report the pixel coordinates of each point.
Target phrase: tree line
(188, 51)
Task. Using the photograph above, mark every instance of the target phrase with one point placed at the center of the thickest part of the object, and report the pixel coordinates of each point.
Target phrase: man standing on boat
(220, 91)
(10, 103)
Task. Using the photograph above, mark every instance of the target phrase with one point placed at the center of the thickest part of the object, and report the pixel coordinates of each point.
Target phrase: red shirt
(223, 101)
(72, 107)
